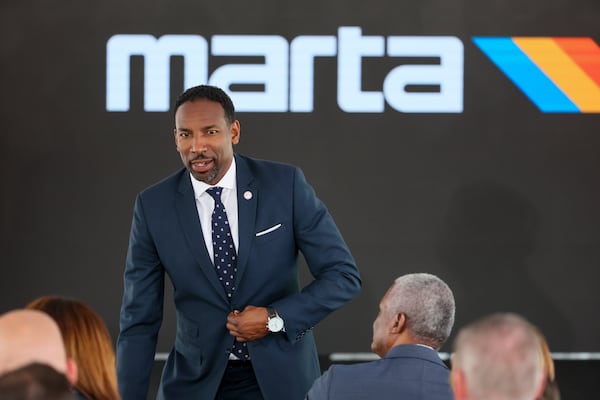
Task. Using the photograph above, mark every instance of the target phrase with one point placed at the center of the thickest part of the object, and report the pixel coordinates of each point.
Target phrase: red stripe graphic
(584, 52)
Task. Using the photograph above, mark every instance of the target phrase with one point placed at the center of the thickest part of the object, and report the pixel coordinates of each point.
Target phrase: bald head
(28, 336)
(498, 357)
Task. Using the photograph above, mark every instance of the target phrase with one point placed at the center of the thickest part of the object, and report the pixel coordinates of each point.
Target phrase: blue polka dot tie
(225, 257)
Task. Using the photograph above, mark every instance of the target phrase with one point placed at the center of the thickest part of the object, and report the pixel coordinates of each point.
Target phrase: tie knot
(215, 192)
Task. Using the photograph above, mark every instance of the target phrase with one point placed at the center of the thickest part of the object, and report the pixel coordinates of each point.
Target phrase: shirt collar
(424, 345)
(227, 182)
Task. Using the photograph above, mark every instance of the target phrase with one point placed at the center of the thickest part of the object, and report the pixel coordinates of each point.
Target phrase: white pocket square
(271, 229)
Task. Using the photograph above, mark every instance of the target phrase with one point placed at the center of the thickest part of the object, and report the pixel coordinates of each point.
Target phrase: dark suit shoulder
(265, 167)
(267, 174)
(387, 378)
(408, 363)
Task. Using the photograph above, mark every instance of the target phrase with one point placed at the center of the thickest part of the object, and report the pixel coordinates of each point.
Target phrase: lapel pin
(247, 195)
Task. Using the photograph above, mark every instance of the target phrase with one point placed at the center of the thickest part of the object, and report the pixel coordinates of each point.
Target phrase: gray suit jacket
(166, 237)
(408, 372)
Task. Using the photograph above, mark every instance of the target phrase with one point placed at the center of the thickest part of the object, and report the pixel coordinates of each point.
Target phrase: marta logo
(285, 74)
(558, 74)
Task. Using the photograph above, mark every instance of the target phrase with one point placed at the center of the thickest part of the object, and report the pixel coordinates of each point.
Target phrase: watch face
(275, 324)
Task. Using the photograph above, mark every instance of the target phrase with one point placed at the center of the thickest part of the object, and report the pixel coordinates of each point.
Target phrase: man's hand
(250, 324)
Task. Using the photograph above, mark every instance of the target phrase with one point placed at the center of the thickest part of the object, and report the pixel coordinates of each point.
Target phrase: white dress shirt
(205, 205)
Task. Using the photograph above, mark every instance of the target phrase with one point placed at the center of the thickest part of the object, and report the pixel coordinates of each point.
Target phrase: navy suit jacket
(166, 237)
(408, 372)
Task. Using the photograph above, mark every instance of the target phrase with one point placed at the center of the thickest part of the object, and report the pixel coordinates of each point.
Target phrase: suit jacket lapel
(185, 205)
(247, 196)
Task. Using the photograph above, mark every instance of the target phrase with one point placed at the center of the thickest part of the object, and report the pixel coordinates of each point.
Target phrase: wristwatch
(274, 321)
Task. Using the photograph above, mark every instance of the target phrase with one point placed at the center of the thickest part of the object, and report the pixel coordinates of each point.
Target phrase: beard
(206, 177)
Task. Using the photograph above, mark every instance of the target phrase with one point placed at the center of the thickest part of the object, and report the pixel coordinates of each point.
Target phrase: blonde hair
(546, 356)
(87, 341)
(551, 390)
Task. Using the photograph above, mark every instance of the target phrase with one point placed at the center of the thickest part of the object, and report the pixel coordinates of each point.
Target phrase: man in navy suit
(271, 215)
(415, 318)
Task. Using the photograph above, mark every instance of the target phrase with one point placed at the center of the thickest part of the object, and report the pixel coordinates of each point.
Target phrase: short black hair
(212, 93)
(35, 382)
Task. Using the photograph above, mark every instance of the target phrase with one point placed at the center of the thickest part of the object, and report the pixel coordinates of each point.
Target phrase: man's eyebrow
(204, 128)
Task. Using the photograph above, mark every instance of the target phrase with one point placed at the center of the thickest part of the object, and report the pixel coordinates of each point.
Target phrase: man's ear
(235, 132)
(72, 372)
(542, 386)
(399, 323)
(458, 384)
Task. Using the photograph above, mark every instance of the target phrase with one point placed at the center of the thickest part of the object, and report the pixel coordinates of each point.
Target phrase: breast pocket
(270, 233)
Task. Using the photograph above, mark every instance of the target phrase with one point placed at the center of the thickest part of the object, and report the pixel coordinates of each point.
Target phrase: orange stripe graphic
(562, 70)
(585, 52)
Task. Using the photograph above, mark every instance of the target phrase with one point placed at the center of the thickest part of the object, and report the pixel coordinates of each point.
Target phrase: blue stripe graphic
(525, 74)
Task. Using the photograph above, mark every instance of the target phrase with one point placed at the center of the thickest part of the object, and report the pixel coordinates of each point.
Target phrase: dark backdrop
(500, 200)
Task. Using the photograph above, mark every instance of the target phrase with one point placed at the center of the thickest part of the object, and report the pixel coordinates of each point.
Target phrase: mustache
(201, 156)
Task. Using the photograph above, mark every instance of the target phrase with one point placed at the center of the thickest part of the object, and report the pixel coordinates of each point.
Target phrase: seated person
(415, 319)
(498, 357)
(88, 342)
(30, 336)
(35, 382)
